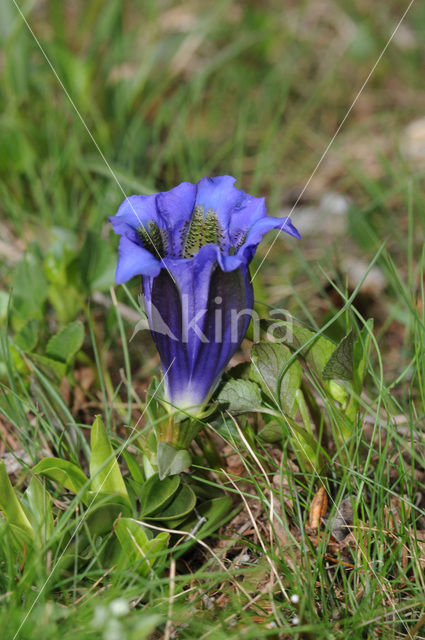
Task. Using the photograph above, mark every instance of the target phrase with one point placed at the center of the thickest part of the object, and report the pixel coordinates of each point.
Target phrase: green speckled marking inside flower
(192, 233)
(154, 239)
(201, 230)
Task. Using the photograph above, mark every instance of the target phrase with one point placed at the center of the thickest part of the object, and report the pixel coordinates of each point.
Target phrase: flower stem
(178, 433)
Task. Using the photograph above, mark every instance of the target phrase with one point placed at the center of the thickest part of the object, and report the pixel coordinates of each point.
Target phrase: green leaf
(181, 505)
(269, 359)
(39, 505)
(95, 264)
(361, 352)
(171, 461)
(156, 494)
(4, 304)
(52, 368)
(64, 472)
(66, 344)
(134, 467)
(27, 337)
(7, 21)
(239, 396)
(105, 473)
(271, 432)
(306, 447)
(216, 512)
(141, 552)
(65, 306)
(29, 288)
(338, 392)
(340, 365)
(101, 517)
(10, 505)
(138, 531)
(316, 353)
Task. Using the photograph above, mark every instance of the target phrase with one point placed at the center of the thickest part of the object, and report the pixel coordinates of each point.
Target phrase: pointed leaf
(64, 472)
(181, 505)
(239, 396)
(52, 368)
(123, 527)
(156, 493)
(318, 350)
(306, 447)
(340, 365)
(134, 467)
(105, 473)
(26, 339)
(65, 345)
(269, 359)
(10, 505)
(39, 505)
(171, 461)
(361, 352)
(141, 552)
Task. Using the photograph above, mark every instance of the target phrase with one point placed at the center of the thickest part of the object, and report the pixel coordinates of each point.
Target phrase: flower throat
(198, 231)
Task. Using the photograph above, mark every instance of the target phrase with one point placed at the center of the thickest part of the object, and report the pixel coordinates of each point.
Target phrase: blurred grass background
(174, 91)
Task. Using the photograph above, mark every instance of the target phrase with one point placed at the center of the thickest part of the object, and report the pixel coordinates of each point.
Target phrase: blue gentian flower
(192, 246)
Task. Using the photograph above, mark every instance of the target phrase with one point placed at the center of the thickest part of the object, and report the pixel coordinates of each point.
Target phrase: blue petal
(189, 383)
(134, 260)
(260, 228)
(243, 218)
(209, 254)
(135, 211)
(164, 310)
(227, 318)
(193, 353)
(192, 277)
(237, 211)
(175, 208)
(220, 195)
(164, 304)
